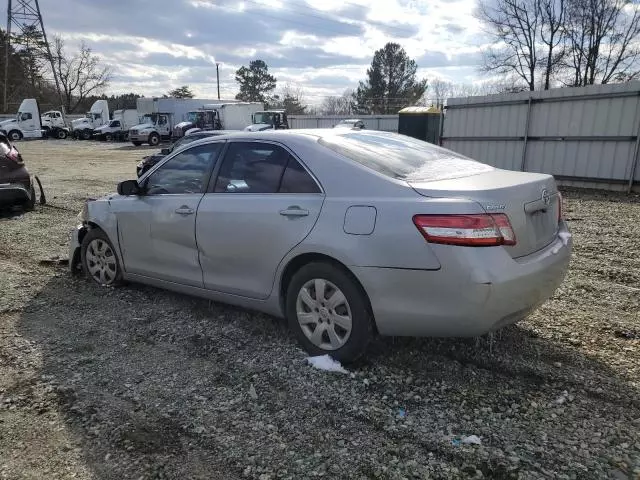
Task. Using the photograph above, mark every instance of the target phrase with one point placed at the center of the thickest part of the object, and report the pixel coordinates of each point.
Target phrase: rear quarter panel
(395, 241)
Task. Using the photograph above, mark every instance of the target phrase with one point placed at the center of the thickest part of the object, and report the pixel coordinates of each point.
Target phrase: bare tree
(80, 75)
(515, 26)
(438, 92)
(338, 105)
(552, 18)
(290, 99)
(602, 38)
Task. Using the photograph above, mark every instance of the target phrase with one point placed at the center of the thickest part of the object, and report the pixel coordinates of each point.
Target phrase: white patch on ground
(326, 363)
(471, 440)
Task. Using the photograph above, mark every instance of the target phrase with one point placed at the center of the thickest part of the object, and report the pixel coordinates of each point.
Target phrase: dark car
(16, 186)
(151, 160)
(350, 123)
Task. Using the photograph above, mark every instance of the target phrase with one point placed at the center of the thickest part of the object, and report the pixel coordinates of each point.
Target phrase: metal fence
(586, 137)
(387, 123)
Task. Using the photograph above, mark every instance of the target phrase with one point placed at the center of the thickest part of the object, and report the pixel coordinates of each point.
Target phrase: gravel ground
(144, 384)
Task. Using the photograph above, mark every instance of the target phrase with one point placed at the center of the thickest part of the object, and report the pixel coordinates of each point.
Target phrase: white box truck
(218, 116)
(97, 116)
(158, 116)
(118, 127)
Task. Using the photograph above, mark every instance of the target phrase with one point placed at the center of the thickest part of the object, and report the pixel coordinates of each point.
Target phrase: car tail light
(481, 230)
(560, 207)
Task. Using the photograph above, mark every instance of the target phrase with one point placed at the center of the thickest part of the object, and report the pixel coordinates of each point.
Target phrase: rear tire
(99, 260)
(15, 135)
(154, 139)
(85, 135)
(334, 321)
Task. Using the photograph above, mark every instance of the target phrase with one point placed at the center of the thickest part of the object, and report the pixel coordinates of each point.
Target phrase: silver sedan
(345, 233)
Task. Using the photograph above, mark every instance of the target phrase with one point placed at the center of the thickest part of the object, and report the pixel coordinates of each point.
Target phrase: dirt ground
(138, 383)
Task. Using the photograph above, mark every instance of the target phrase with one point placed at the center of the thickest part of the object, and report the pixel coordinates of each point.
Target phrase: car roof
(208, 133)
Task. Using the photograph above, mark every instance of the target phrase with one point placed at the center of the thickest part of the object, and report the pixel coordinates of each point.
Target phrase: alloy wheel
(324, 314)
(101, 262)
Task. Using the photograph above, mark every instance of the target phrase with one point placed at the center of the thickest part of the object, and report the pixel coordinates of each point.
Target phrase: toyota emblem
(546, 199)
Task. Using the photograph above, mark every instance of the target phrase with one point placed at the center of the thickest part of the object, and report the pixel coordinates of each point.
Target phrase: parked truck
(158, 116)
(268, 120)
(29, 123)
(97, 116)
(118, 127)
(218, 116)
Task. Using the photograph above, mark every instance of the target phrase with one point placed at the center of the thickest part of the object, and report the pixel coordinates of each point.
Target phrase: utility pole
(26, 17)
(218, 78)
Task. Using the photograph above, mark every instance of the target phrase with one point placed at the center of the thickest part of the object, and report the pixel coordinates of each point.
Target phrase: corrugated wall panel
(598, 111)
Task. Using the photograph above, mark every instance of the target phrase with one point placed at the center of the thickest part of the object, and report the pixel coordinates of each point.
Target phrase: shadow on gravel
(157, 385)
(141, 147)
(12, 213)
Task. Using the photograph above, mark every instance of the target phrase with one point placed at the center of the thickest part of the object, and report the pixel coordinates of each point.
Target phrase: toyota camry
(345, 233)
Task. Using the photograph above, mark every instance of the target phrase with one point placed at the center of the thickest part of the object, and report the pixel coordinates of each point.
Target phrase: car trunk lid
(530, 200)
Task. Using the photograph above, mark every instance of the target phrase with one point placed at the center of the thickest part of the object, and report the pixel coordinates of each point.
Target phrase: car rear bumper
(14, 193)
(477, 290)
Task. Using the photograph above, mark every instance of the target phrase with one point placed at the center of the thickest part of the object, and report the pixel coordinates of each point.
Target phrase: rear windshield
(402, 157)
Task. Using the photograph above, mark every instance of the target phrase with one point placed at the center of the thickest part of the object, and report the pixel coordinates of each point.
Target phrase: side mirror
(165, 151)
(129, 188)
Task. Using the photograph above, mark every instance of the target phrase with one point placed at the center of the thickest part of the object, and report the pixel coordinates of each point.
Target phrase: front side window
(26, 116)
(185, 173)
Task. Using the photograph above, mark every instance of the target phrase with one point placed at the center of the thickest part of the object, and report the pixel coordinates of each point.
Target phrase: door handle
(184, 210)
(294, 211)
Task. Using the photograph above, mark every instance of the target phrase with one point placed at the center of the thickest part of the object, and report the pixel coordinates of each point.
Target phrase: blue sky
(321, 46)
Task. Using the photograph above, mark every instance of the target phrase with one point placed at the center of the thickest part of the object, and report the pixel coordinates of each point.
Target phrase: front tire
(61, 134)
(31, 203)
(99, 260)
(15, 135)
(107, 137)
(85, 135)
(154, 139)
(328, 312)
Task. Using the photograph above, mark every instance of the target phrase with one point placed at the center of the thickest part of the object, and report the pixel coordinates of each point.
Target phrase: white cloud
(323, 46)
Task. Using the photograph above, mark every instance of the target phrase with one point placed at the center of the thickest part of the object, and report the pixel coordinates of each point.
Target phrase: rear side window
(252, 167)
(297, 180)
(402, 157)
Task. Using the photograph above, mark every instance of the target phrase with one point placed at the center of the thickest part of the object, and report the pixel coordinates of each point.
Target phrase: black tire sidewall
(31, 204)
(154, 139)
(93, 234)
(362, 327)
(18, 136)
(136, 144)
